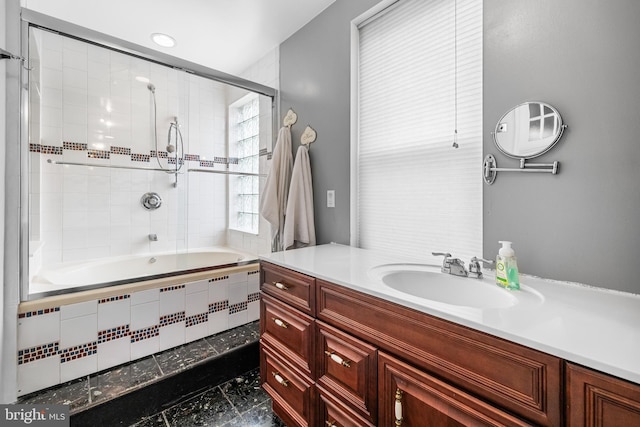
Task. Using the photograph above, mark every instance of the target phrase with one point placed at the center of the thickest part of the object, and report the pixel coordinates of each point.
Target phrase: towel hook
(290, 118)
(308, 136)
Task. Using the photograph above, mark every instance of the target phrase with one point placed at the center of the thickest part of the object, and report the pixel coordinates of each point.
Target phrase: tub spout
(153, 237)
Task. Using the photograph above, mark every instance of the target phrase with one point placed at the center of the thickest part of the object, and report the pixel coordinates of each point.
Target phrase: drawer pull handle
(280, 379)
(280, 286)
(330, 423)
(339, 360)
(398, 407)
(280, 323)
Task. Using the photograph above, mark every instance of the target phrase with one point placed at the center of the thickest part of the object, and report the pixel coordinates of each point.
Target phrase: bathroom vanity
(341, 348)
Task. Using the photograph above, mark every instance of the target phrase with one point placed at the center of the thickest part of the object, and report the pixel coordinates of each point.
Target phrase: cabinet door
(292, 393)
(347, 368)
(410, 397)
(595, 399)
(294, 288)
(332, 413)
(288, 331)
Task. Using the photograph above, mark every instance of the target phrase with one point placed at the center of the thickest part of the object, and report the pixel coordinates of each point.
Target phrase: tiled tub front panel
(58, 344)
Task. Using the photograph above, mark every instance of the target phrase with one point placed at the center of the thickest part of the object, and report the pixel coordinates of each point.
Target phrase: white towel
(299, 226)
(273, 203)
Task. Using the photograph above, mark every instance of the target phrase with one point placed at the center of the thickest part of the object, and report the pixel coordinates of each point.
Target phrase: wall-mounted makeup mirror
(526, 131)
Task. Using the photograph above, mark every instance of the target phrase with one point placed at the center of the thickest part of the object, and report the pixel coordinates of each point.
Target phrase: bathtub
(91, 274)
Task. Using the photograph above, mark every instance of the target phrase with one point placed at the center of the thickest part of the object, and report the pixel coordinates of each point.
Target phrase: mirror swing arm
(525, 132)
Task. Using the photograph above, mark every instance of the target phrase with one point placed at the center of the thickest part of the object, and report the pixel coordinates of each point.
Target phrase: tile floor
(239, 402)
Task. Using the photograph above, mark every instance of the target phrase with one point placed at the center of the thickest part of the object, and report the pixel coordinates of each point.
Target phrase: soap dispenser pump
(507, 267)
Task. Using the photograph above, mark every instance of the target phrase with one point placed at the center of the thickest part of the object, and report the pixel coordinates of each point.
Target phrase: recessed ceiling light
(163, 40)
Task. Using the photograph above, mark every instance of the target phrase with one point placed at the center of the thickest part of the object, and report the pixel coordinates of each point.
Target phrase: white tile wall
(96, 335)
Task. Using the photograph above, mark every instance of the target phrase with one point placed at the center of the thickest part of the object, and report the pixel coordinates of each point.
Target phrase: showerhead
(151, 87)
(171, 148)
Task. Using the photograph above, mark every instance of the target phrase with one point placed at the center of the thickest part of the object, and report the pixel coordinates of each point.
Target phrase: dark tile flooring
(238, 402)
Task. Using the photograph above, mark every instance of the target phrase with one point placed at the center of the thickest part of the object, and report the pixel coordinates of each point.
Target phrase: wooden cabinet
(347, 369)
(521, 380)
(410, 397)
(332, 356)
(595, 399)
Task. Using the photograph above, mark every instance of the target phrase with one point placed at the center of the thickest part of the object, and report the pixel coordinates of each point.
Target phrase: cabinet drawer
(410, 397)
(332, 413)
(289, 332)
(596, 399)
(294, 288)
(519, 379)
(292, 392)
(346, 367)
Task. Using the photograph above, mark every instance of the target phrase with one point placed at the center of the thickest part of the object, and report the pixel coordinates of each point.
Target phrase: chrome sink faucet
(475, 269)
(450, 265)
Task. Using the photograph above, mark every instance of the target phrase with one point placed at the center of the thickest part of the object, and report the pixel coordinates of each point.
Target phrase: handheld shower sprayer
(151, 87)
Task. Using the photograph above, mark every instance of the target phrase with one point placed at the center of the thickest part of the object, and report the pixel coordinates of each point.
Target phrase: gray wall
(314, 81)
(582, 57)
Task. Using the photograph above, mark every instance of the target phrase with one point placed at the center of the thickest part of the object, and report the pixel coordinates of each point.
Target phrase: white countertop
(590, 326)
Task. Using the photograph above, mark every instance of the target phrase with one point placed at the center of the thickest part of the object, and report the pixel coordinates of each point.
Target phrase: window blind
(419, 64)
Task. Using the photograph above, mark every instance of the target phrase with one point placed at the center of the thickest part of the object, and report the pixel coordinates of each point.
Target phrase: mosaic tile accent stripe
(254, 297)
(111, 299)
(170, 319)
(218, 306)
(249, 273)
(83, 350)
(236, 308)
(36, 353)
(222, 160)
(207, 163)
(233, 160)
(121, 150)
(38, 312)
(45, 149)
(113, 333)
(140, 157)
(74, 146)
(98, 154)
(160, 154)
(146, 333)
(192, 157)
(172, 160)
(196, 319)
(269, 156)
(262, 152)
(217, 279)
(172, 288)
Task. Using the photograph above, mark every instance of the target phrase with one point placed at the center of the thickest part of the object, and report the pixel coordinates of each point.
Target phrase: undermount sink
(428, 282)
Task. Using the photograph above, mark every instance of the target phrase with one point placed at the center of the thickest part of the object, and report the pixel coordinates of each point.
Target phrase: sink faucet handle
(475, 268)
(444, 254)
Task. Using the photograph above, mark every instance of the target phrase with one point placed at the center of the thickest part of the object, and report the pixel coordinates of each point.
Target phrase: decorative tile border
(36, 353)
(236, 308)
(83, 350)
(172, 288)
(196, 319)
(121, 150)
(254, 297)
(74, 146)
(135, 157)
(218, 306)
(146, 333)
(98, 154)
(217, 279)
(170, 319)
(38, 312)
(116, 298)
(250, 273)
(113, 334)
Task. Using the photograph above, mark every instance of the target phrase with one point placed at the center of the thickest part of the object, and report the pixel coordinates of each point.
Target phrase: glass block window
(244, 142)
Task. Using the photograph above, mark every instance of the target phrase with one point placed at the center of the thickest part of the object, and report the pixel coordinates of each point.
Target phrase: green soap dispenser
(507, 267)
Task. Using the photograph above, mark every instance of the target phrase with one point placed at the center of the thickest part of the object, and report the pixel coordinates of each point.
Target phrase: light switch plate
(331, 198)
